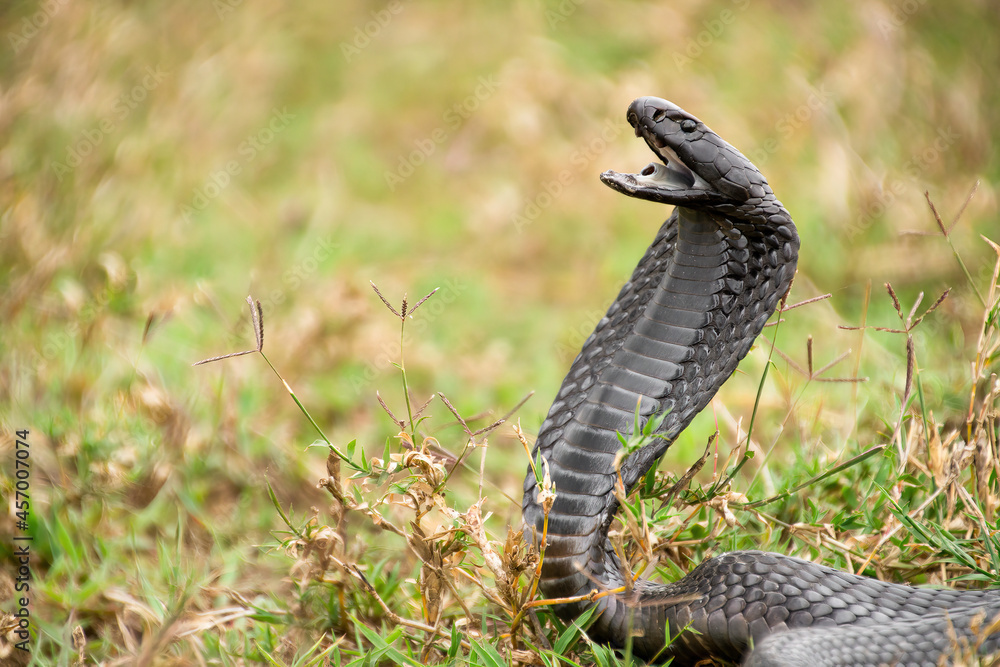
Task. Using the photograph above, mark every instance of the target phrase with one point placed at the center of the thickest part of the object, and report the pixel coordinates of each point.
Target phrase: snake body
(698, 298)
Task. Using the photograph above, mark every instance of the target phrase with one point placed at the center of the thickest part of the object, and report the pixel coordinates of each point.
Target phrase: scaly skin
(698, 298)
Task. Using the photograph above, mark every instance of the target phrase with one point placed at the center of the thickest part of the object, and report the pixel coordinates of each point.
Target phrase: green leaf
(488, 654)
(572, 632)
(382, 646)
(456, 642)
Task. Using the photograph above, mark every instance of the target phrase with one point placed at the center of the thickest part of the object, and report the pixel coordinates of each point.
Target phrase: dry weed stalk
(440, 535)
(954, 457)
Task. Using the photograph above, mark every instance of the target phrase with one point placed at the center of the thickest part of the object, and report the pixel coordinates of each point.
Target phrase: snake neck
(690, 312)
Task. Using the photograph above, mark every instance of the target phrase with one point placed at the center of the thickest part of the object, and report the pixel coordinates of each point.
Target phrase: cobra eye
(659, 115)
(688, 125)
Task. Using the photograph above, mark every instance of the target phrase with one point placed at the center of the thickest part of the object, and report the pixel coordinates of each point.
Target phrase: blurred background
(161, 160)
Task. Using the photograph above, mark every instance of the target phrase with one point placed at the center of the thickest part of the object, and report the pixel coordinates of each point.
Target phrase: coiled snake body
(697, 300)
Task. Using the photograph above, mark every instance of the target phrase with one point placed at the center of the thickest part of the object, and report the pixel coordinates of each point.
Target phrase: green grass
(155, 484)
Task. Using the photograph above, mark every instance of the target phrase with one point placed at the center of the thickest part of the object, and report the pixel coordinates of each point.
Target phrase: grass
(160, 161)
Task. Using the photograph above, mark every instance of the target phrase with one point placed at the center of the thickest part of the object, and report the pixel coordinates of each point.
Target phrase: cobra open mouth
(669, 182)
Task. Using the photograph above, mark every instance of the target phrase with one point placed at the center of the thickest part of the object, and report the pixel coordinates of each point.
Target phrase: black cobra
(694, 305)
